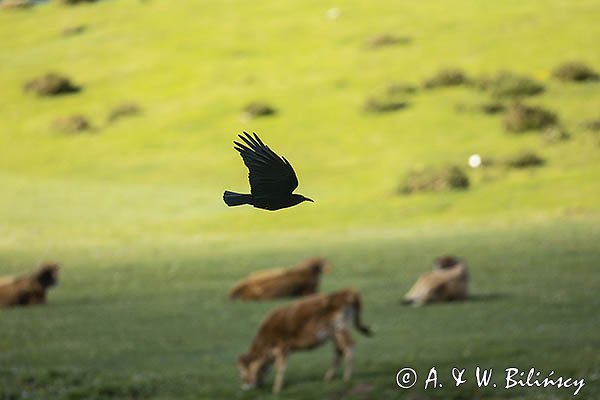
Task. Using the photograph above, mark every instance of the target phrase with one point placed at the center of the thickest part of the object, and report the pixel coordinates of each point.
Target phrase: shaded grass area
(154, 322)
(73, 384)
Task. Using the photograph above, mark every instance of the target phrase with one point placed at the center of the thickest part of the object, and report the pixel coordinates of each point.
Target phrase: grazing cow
(300, 280)
(303, 325)
(28, 289)
(447, 282)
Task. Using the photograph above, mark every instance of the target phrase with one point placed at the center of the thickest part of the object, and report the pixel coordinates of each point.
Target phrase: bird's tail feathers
(236, 199)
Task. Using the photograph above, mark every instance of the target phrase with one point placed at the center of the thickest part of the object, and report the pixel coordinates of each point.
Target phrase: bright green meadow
(133, 211)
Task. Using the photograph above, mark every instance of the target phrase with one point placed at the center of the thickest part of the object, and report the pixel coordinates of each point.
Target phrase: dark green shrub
(75, 123)
(490, 107)
(127, 109)
(435, 180)
(73, 30)
(575, 71)
(74, 2)
(525, 159)
(391, 98)
(383, 105)
(51, 84)
(385, 40)
(592, 125)
(555, 134)
(259, 109)
(446, 77)
(399, 88)
(507, 84)
(520, 118)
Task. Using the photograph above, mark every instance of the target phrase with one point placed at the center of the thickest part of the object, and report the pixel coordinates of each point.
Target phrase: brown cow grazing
(447, 282)
(300, 280)
(28, 289)
(303, 325)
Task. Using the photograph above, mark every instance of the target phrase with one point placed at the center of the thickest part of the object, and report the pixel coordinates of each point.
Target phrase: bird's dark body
(269, 203)
(272, 178)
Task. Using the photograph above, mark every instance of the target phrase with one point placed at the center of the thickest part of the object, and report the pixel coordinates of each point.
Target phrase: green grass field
(133, 210)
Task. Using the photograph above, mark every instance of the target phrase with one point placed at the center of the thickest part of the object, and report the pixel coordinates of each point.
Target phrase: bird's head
(298, 198)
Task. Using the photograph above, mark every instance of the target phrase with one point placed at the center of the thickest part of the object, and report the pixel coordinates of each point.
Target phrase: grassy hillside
(133, 209)
(192, 67)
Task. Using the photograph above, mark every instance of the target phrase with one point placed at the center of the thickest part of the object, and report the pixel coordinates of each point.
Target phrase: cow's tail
(357, 304)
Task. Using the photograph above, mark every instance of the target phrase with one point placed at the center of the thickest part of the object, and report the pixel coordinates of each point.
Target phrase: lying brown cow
(303, 325)
(29, 289)
(448, 282)
(296, 281)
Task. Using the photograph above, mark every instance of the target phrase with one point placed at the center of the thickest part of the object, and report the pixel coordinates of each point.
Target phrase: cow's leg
(347, 346)
(280, 369)
(348, 361)
(336, 361)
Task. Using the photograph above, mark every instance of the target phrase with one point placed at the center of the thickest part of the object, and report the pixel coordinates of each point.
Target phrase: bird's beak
(307, 199)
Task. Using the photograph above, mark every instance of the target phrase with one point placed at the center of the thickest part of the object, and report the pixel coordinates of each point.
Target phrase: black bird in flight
(272, 178)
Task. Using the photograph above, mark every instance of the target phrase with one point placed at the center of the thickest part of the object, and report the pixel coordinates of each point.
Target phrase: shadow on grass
(487, 297)
(479, 297)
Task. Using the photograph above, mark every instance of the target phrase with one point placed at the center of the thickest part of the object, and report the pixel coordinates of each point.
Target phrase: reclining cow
(300, 280)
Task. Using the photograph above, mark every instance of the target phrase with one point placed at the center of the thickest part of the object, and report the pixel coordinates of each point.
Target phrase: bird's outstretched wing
(269, 174)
